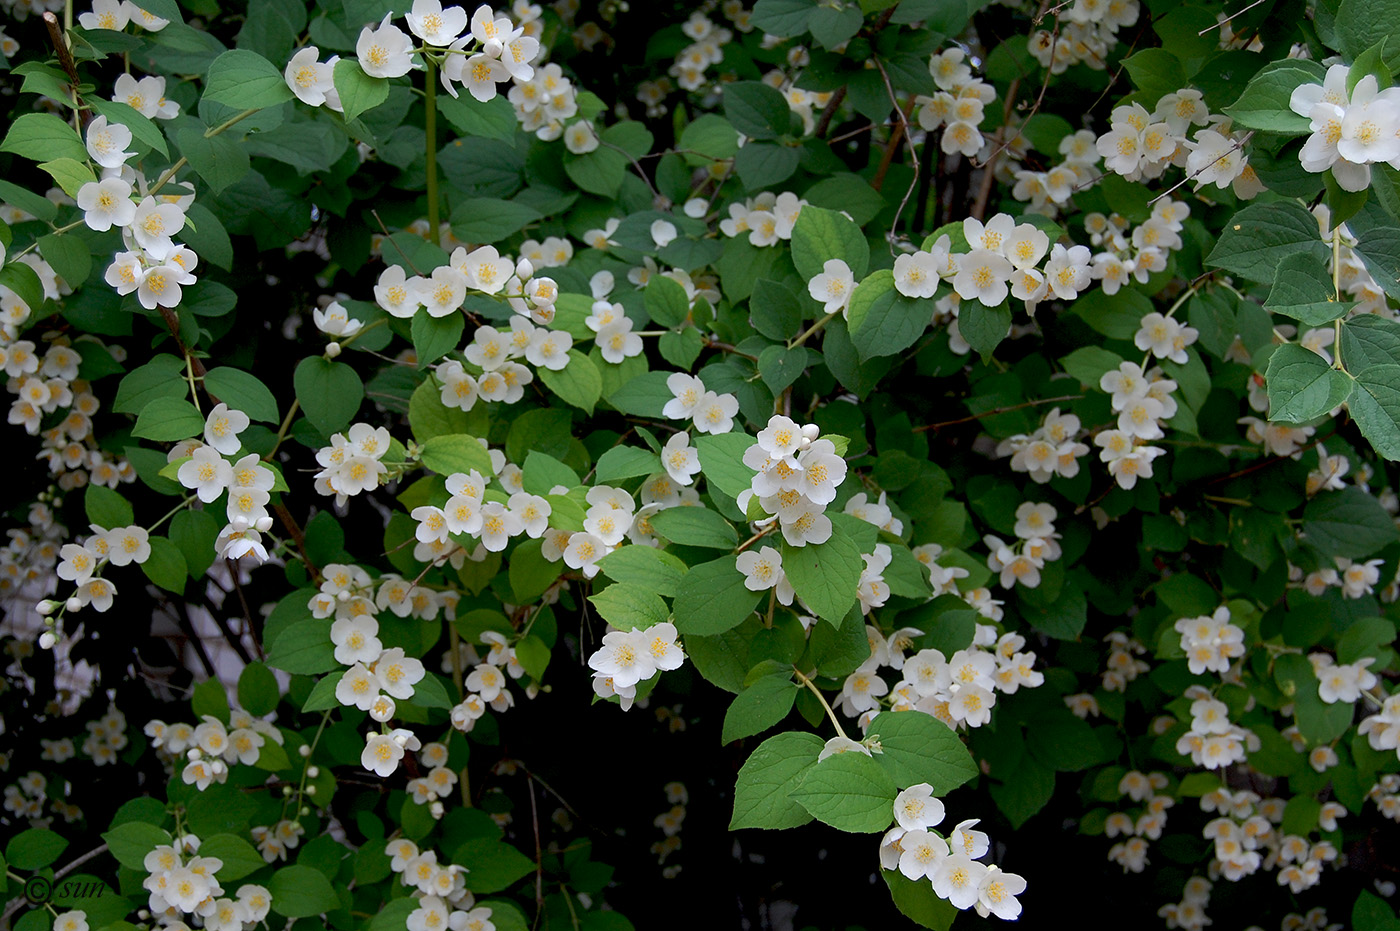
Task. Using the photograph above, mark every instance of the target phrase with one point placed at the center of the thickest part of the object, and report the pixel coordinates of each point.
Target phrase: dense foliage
(809, 463)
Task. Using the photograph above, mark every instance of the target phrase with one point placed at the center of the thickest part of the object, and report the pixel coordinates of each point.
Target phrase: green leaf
(711, 135)
(825, 575)
(768, 776)
(1361, 24)
(1025, 792)
(247, 81)
(166, 420)
(456, 453)
(24, 281)
(301, 891)
(598, 172)
(820, 235)
(493, 865)
(1375, 405)
(1089, 363)
(242, 391)
(721, 461)
(43, 137)
(831, 26)
(984, 327)
(779, 366)
(783, 18)
(1155, 72)
(1371, 911)
(219, 160)
(849, 791)
(240, 859)
(643, 396)
(1348, 523)
(130, 842)
(712, 598)
(1369, 340)
(755, 109)
(666, 301)
(627, 606)
(695, 526)
(886, 323)
(257, 689)
(918, 902)
(36, 204)
(494, 119)
(70, 257)
(166, 566)
(1379, 248)
(1263, 104)
(106, 508)
(69, 174)
(761, 705)
(646, 567)
(626, 462)
(762, 164)
(1260, 236)
(35, 848)
(1061, 617)
(304, 647)
(434, 337)
(489, 219)
(1302, 386)
(329, 392)
(143, 128)
(579, 383)
(1303, 290)
(920, 748)
(358, 91)
(323, 693)
(774, 310)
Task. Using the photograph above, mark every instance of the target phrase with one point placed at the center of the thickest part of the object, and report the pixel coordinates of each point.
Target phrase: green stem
(812, 331)
(208, 134)
(1337, 292)
(282, 430)
(821, 698)
(430, 129)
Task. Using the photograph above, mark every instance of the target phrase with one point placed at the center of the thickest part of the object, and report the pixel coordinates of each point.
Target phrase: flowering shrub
(918, 408)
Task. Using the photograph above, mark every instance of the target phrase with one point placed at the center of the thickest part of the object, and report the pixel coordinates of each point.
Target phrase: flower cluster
(486, 683)
(958, 103)
(1053, 449)
(117, 15)
(209, 748)
(183, 882)
(1246, 839)
(1085, 34)
(353, 462)
(1212, 741)
(669, 823)
(1142, 401)
(706, 48)
(1036, 544)
(949, 863)
(796, 475)
(1147, 824)
(1210, 641)
(767, 218)
(628, 657)
(1351, 130)
(444, 901)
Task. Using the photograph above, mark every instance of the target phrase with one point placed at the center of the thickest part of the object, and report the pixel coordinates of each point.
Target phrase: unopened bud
(312, 772)
(304, 750)
(46, 607)
(73, 604)
(47, 640)
(311, 790)
(332, 350)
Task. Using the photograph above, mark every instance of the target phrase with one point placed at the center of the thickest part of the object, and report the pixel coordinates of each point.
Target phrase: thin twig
(997, 410)
(1230, 17)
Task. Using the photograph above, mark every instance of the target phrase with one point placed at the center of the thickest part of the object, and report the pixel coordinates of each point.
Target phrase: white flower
(356, 640)
(106, 143)
(382, 753)
(916, 275)
(915, 808)
(160, 287)
(996, 894)
(715, 413)
(922, 852)
(688, 391)
(443, 292)
(222, 427)
(662, 232)
(397, 294)
(146, 96)
(106, 14)
(207, 473)
(435, 26)
(625, 657)
(833, 286)
(480, 73)
(983, 276)
(308, 78)
(549, 349)
(957, 879)
(384, 52)
(680, 459)
(583, 551)
(335, 320)
(762, 570)
(154, 223)
(617, 341)
(126, 545)
(106, 203)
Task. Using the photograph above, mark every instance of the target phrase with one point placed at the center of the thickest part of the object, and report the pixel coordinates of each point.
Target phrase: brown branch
(997, 410)
(824, 122)
(65, 58)
(984, 192)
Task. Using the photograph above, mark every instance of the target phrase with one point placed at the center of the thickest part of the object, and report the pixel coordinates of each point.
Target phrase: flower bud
(262, 524)
(524, 268)
(312, 772)
(332, 350)
(47, 640)
(311, 790)
(46, 607)
(73, 604)
(304, 750)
